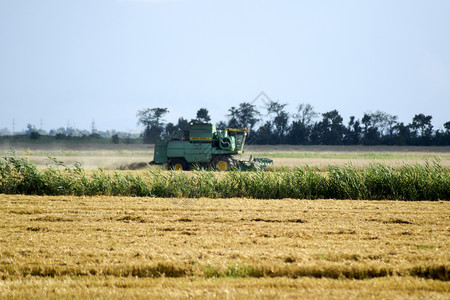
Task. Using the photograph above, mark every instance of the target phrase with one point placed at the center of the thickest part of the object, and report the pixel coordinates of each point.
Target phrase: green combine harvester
(206, 147)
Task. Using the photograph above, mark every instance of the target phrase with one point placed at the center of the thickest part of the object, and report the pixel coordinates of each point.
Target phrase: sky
(69, 63)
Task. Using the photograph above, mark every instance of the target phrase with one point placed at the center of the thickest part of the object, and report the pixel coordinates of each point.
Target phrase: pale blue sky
(74, 61)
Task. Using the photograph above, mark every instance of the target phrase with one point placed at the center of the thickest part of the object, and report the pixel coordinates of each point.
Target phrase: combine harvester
(206, 147)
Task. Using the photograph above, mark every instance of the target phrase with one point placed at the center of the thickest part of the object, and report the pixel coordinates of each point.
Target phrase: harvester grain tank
(205, 146)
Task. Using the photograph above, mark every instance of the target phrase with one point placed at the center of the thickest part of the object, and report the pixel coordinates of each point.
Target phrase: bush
(35, 135)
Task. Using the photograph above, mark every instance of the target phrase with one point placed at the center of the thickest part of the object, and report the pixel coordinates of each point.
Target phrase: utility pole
(14, 126)
(94, 130)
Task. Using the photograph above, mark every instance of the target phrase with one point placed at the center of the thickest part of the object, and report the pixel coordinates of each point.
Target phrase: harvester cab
(239, 136)
(206, 147)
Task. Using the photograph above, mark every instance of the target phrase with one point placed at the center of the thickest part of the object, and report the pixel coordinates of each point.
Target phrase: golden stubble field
(116, 247)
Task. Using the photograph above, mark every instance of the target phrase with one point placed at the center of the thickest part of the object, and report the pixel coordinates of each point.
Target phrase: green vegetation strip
(350, 155)
(436, 272)
(408, 182)
(97, 153)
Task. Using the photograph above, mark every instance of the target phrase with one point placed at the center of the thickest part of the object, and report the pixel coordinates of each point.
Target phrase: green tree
(447, 126)
(332, 129)
(244, 116)
(183, 124)
(30, 129)
(202, 116)
(353, 132)
(280, 119)
(422, 129)
(32, 132)
(371, 135)
(379, 127)
(421, 125)
(403, 134)
(300, 129)
(171, 131)
(264, 135)
(305, 114)
(152, 119)
(299, 134)
(177, 131)
(115, 138)
(446, 134)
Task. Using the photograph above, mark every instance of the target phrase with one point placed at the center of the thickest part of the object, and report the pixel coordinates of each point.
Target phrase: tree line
(304, 127)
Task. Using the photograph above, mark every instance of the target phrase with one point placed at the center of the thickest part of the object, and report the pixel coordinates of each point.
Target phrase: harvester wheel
(223, 163)
(178, 164)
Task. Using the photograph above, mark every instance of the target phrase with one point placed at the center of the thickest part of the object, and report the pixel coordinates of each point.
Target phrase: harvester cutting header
(203, 146)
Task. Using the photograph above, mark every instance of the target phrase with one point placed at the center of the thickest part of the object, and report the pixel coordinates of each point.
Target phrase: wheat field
(139, 247)
(115, 247)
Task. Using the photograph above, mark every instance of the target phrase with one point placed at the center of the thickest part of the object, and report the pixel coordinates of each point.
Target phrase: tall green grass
(408, 182)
